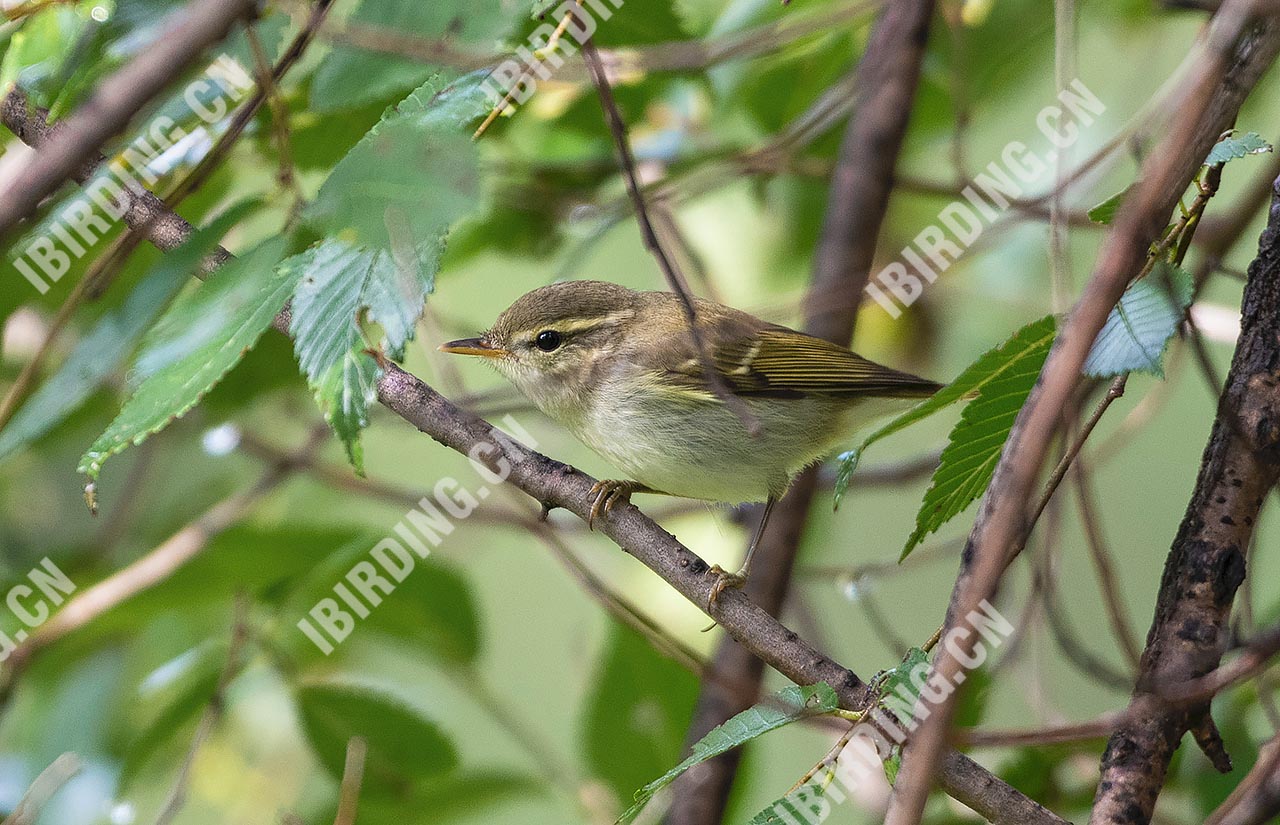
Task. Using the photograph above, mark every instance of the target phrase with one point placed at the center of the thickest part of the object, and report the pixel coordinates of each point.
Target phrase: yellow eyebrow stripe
(570, 326)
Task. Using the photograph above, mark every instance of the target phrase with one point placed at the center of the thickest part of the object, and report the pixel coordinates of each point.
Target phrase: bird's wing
(776, 362)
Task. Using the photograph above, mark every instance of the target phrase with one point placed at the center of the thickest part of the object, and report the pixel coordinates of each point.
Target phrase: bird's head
(550, 340)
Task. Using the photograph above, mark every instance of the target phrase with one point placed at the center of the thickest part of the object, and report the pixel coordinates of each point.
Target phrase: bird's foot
(724, 581)
(606, 494)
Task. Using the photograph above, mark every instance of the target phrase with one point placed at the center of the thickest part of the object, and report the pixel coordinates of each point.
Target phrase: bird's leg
(726, 580)
(605, 494)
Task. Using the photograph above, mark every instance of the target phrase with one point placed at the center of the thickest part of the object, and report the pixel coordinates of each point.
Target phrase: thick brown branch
(1207, 561)
(857, 201)
(558, 485)
(1236, 51)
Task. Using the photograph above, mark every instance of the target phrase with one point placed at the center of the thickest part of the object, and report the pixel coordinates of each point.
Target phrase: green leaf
(333, 279)
(897, 680)
(786, 706)
(102, 351)
(1134, 337)
(432, 608)
(638, 713)
(893, 764)
(409, 179)
(202, 336)
(991, 367)
(36, 50)
(404, 747)
(1003, 379)
(1236, 146)
(972, 705)
(1105, 212)
(262, 563)
(804, 804)
(461, 796)
(344, 395)
(385, 210)
(351, 77)
(897, 692)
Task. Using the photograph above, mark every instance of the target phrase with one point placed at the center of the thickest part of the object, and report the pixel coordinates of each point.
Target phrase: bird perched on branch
(623, 372)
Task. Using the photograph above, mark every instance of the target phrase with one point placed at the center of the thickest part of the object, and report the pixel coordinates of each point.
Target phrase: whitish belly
(686, 453)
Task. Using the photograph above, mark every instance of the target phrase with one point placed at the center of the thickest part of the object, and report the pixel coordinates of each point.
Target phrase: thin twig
(557, 485)
(675, 280)
(1116, 390)
(213, 712)
(1256, 800)
(857, 201)
(352, 778)
(61, 771)
(279, 122)
(1206, 565)
(1108, 582)
(1228, 64)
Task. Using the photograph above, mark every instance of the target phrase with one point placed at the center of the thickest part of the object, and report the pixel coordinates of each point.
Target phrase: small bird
(621, 370)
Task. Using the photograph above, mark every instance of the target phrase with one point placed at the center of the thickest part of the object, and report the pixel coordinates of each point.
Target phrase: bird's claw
(605, 495)
(724, 581)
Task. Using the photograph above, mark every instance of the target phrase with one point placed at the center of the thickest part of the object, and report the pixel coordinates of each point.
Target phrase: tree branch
(857, 201)
(1235, 53)
(557, 485)
(1206, 563)
(26, 178)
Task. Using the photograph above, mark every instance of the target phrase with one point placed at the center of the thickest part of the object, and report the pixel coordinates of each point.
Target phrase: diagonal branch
(861, 184)
(1206, 563)
(675, 279)
(557, 485)
(1234, 55)
(26, 178)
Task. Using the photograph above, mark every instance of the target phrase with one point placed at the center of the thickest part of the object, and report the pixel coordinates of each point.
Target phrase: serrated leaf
(404, 747)
(786, 706)
(344, 395)
(332, 281)
(991, 366)
(804, 804)
(1006, 377)
(412, 176)
(1135, 335)
(198, 340)
(1105, 212)
(1236, 146)
(385, 210)
(103, 351)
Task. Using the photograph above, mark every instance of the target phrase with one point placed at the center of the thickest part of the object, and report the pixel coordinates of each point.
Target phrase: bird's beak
(472, 346)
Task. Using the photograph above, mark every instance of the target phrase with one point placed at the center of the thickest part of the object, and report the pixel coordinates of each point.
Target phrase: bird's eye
(547, 340)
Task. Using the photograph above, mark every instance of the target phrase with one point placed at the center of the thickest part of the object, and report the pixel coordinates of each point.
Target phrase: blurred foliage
(489, 686)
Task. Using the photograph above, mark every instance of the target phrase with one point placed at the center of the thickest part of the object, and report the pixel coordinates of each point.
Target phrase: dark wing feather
(782, 363)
